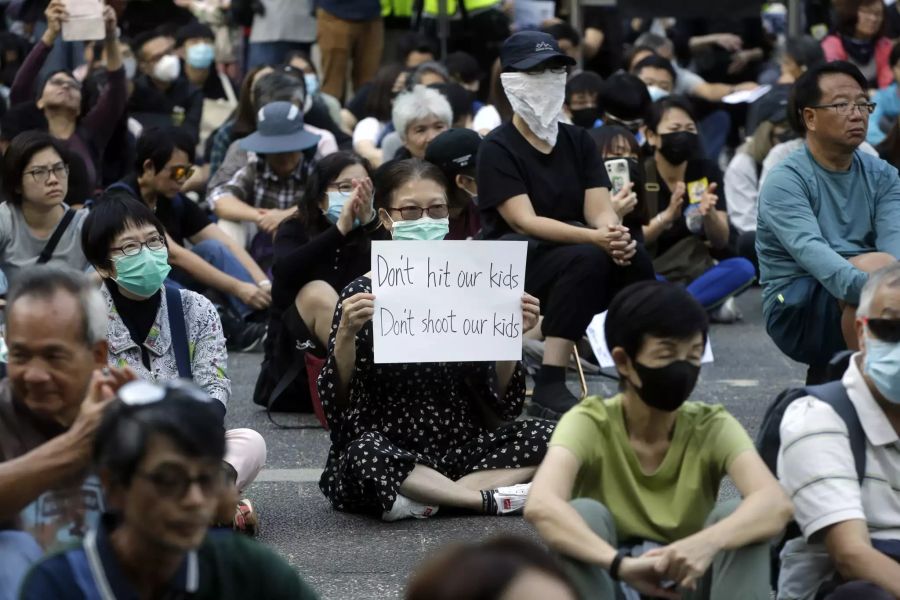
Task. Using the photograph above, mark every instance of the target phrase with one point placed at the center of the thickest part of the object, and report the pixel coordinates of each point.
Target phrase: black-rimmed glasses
(156, 242)
(60, 170)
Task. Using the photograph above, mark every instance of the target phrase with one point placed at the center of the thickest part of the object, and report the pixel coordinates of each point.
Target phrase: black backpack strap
(121, 185)
(835, 395)
(179, 332)
(651, 187)
(47, 252)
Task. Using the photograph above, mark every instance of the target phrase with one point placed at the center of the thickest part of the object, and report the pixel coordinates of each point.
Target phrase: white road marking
(289, 475)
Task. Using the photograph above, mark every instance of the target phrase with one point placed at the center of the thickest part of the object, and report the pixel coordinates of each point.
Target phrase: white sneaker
(727, 312)
(511, 499)
(404, 508)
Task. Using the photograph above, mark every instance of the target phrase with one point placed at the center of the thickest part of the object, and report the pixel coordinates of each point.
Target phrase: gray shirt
(284, 21)
(20, 248)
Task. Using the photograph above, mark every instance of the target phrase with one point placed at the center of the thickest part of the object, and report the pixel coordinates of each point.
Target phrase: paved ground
(353, 558)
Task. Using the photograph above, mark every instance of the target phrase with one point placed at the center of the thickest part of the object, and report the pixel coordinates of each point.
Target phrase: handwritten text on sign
(448, 301)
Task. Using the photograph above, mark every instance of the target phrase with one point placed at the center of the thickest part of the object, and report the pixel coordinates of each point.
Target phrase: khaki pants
(339, 41)
(743, 573)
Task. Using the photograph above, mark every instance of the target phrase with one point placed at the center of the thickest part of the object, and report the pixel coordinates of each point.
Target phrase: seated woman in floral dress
(407, 439)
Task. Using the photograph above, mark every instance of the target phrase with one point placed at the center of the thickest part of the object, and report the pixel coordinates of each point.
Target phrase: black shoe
(551, 400)
(251, 339)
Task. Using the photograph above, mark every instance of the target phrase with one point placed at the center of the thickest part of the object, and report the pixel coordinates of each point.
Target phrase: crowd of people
(210, 176)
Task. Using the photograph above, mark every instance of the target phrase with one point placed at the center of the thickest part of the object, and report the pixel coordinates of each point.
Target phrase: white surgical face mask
(130, 65)
(538, 99)
(167, 68)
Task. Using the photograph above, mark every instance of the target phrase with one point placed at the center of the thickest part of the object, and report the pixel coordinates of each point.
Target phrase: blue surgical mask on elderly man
(424, 229)
(882, 365)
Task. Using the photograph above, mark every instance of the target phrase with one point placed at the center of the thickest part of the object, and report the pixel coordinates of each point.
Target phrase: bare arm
(850, 547)
(231, 208)
(369, 151)
(214, 232)
(598, 208)
(519, 213)
(715, 225)
(201, 270)
(356, 311)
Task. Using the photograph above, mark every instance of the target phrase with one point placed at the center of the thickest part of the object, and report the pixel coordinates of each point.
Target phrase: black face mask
(677, 147)
(666, 388)
(585, 117)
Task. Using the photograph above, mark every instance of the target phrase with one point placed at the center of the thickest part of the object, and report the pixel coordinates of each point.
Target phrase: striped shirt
(816, 468)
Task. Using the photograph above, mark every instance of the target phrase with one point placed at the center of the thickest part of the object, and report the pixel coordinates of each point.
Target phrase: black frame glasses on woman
(413, 213)
(846, 108)
(41, 175)
(156, 242)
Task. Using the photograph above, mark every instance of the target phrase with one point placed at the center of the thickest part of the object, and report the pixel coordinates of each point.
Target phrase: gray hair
(417, 104)
(888, 276)
(45, 281)
(430, 66)
(657, 42)
(279, 86)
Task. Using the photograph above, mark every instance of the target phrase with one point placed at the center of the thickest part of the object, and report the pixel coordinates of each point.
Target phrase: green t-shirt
(669, 504)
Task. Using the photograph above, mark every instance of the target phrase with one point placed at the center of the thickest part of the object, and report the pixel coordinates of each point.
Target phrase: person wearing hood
(627, 491)
(544, 181)
(163, 96)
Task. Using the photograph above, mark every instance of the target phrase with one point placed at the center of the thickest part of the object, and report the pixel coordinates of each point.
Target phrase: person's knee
(209, 248)
(246, 452)
(316, 295)
(872, 261)
(598, 518)
(741, 268)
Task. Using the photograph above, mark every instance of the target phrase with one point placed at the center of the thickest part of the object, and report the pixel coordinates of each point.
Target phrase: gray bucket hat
(279, 129)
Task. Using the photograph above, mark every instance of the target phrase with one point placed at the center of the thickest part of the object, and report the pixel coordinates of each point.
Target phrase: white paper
(85, 21)
(742, 96)
(447, 301)
(597, 338)
(532, 13)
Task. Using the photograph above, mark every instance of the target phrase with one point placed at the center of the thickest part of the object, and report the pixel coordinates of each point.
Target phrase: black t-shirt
(181, 217)
(607, 19)
(555, 183)
(357, 104)
(697, 170)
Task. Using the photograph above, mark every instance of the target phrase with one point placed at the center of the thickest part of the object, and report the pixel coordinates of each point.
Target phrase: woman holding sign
(543, 181)
(686, 200)
(409, 438)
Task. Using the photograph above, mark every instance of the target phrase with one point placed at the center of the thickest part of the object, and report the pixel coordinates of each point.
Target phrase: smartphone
(617, 169)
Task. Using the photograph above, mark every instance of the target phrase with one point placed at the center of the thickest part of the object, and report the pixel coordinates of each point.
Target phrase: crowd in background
(209, 178)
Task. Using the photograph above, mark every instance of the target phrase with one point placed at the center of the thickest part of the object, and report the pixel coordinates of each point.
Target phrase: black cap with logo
(527, 49)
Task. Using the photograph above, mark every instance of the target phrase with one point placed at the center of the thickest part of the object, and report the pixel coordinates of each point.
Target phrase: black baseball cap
(526, 49)
(454, 151)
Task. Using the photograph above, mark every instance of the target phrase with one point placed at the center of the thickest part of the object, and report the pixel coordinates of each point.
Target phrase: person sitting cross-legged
(627, 492)
(407, 439)
(164, 333)
(159, 453)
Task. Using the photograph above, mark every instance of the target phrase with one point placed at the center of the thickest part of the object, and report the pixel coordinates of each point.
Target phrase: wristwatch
(616, 563)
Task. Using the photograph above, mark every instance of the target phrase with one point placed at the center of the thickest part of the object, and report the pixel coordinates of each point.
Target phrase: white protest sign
(447, 301)
(85, 21)
(597, 338)
(533, 13)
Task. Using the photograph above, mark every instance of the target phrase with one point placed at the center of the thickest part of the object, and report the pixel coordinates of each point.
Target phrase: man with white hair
(850, 546)
(50, 406)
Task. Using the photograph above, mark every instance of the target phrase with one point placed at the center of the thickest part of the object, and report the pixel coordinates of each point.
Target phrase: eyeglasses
(887, 330)
(344, 187)
(60, 170)
(846, 108)
(66, 83)
(173, 482)
(540, 69)
(181, 173)
(156, 242)
(412, 213)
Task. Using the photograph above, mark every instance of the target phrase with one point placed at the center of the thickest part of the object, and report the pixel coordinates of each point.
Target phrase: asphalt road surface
(348, 557)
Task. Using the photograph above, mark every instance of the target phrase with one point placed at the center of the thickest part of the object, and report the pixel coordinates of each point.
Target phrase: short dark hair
(324, 172)
(482, 569)
(807, 92)
(562, 31)
(191, 31)
(382, 94)
(301, 55)
(804, 50)
(462, 67)
(390, 176)
(123, 435)
(116, 211)
(655, 61)
(584, 82)
(629, 57)
(157, 144)
(414, 41)
(23, 147)
(44, 281)
(653, 308)
(141, 39)
(625, 97)
(659, 109)
(460, 99)
(284, 85)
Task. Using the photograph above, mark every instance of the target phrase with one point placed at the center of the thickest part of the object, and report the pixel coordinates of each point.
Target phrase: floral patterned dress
(400, 415)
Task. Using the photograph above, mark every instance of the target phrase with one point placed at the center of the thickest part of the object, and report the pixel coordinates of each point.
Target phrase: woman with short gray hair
(419, 116)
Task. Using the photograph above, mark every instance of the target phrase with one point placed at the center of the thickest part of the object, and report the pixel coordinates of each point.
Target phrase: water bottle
(693, 219)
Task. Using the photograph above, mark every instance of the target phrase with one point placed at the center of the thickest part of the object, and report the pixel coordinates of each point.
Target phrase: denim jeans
(19, 551)
(218, 255)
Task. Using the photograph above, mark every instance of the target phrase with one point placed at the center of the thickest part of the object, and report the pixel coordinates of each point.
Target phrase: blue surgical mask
(201, 56)
(425, 229)
(657, 93)
(336, 202)
(312, 84)
(882, 365)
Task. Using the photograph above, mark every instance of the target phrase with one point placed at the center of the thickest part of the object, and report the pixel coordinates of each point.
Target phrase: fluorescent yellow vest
(396, 8)
(431, 6)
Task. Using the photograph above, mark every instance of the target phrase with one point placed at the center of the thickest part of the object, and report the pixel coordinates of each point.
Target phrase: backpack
(768, 442)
